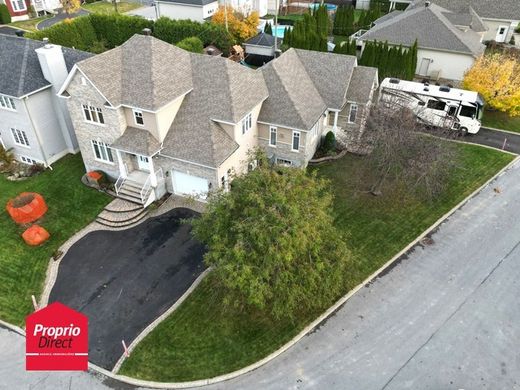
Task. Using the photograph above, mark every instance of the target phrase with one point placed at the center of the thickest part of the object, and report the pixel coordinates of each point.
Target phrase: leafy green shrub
(5, 16)
(192, 44)
(330, 142)
(90, 1)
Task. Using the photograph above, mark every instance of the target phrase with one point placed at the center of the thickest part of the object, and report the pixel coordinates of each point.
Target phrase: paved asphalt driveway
(496, 139)
(59, 18)
(123, 280)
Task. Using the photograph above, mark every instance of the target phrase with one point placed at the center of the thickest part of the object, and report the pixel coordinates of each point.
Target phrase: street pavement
(446, 316)
(496, 139)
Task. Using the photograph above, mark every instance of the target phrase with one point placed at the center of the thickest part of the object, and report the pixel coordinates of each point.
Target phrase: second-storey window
(93, 114)
(272, 136)
(102, 151)
(18, 5)
(295, 141)
(7, 103)
(353, 113)
(138, 117)
(247, 122)
(20, 138)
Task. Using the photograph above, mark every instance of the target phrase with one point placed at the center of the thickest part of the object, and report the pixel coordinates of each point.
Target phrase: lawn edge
(502, 130)
(146, 331)
(317, 321)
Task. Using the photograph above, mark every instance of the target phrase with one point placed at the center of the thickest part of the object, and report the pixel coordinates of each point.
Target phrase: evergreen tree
(268, 29)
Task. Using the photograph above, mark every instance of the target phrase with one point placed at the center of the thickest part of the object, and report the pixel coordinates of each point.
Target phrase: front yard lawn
(107, 8)
(201, 340)
(71, 207)
(28, 25)
(500, 120)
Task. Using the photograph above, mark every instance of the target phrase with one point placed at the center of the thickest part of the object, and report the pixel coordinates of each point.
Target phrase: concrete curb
(159, 319)
(14, 328)
(501, 130)
(317, 321)
(484, 146)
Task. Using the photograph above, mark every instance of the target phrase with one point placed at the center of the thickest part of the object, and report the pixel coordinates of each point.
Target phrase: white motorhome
(436, 105)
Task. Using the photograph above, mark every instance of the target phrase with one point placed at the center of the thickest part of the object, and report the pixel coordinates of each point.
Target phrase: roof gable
(20, 71)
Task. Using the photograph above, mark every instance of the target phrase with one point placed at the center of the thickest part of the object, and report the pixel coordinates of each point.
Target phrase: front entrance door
(143, 163)
(501, 34)
(425, 64)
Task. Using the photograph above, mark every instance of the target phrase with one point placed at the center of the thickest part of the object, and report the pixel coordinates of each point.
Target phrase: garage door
(184, 184)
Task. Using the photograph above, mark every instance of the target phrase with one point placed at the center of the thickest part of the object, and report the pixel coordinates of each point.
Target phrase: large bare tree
(401, 151)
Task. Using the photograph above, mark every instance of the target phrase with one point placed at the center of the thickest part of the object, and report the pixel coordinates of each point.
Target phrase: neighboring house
(259, 49)
(19, 9)
(247, 6)
(448, 43)
(494, 20)
(196, 10)
(189, 121)
(34, 122)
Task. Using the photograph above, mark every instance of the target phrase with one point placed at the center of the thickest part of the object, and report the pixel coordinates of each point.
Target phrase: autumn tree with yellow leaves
(71, 6)
(240, 26)
(497, 78)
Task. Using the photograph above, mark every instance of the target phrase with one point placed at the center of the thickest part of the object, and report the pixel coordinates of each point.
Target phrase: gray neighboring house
(448, 43)
(172, 121)
(493, 19)
(259, 49)
(34, 122)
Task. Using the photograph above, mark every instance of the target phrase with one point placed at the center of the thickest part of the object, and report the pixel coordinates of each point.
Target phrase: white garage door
(189, 185)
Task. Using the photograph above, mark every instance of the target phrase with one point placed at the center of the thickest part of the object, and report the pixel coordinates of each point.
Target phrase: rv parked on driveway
(436, 105)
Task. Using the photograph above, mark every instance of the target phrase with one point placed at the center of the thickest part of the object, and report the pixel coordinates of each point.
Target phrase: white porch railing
(146, 188)
(119, 183)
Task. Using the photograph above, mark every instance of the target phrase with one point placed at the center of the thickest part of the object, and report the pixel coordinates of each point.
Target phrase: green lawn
(28, 25)
(71, 207)
(200, 340)
(500, 120)
(106, 8)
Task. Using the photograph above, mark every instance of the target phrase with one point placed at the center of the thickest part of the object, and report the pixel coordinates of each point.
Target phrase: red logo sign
(56, 339)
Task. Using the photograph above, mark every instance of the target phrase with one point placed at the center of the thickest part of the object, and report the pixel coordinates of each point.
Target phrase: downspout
(36, 133)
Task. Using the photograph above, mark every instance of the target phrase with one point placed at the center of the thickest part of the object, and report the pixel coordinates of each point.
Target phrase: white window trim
(91, 121)
(101, 144)
(247, 123)
(299, 141)
(13, 130)
(271, 130)
(9, 103)
(30, 160)
(350, 112)
(15, 9)
(135, 112)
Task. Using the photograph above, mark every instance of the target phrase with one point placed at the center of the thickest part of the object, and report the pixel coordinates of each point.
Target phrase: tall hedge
(390, 61)
(97, 32)
(77, 33)
(5, 16)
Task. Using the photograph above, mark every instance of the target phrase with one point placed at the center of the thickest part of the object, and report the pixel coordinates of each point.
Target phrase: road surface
(447, 316)
(496, 139)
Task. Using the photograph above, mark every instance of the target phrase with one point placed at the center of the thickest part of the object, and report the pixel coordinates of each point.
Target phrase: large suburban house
(196, 10)
(34, 123)
(167, 120)
(448, 42)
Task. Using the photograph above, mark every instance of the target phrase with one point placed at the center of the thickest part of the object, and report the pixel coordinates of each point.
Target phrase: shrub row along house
(450, 33)
(34, 123)
(166, 120)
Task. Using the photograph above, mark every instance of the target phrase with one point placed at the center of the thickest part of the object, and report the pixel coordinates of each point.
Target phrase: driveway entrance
(123, 280)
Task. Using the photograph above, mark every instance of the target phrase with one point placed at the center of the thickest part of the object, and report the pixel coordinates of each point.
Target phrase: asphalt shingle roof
(431, 29)
(137, 141)
(303, 84)
(493, 9)
(20, 71)
(262, 39)
(140, 73)
(363, 80)
(190, 2)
